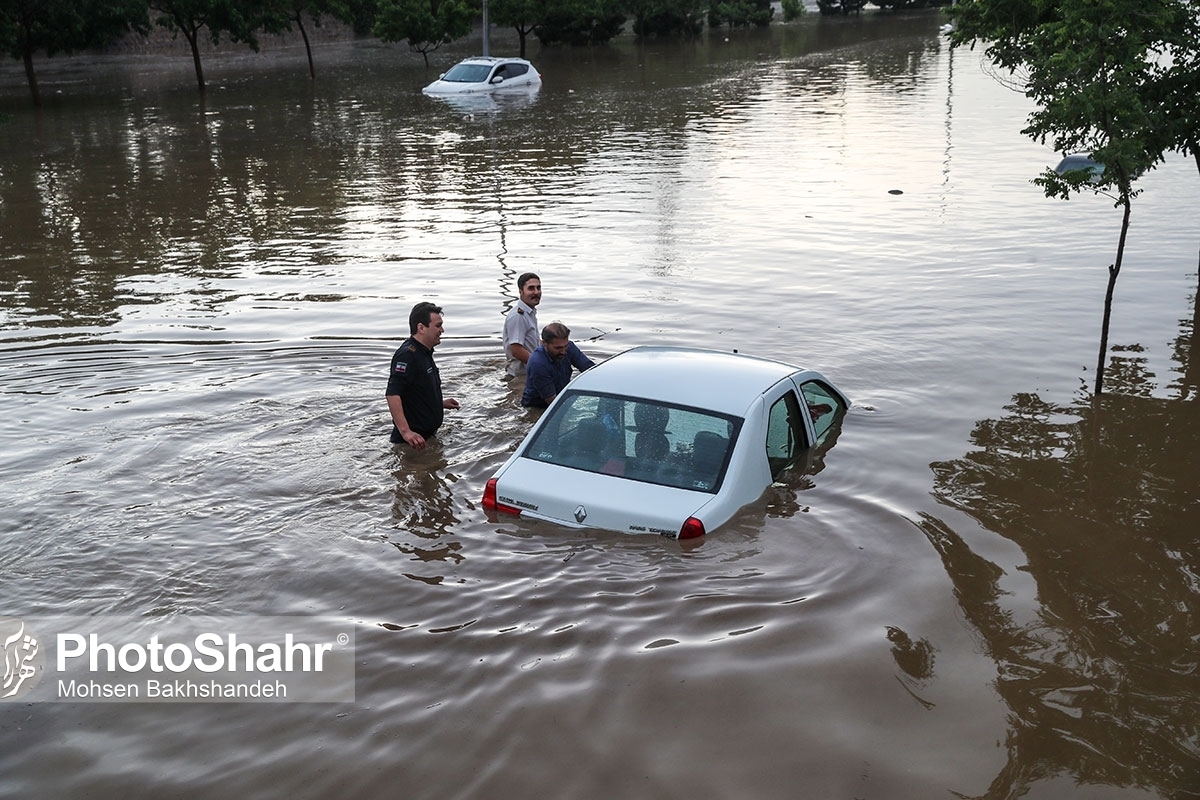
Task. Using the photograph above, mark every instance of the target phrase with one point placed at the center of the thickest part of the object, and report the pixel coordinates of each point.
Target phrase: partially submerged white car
(485, 74)
(665, 440)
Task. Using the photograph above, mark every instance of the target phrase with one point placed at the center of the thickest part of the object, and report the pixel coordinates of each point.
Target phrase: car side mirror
(496, 81)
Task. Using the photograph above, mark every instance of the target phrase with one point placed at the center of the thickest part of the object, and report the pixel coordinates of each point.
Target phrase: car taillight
(491, 504)
(691, 529)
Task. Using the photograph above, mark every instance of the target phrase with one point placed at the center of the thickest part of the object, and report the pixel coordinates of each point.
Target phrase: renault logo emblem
(580, 514)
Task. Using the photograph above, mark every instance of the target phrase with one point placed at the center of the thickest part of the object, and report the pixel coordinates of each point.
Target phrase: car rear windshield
(642, 440)
(468, 73)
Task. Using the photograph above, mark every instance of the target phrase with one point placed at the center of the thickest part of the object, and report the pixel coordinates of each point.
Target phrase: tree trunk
(312, 71)
(1113, 271)
(193, 36)
(31, 76)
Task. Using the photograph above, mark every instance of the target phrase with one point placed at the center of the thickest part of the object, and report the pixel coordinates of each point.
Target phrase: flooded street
(988, 589)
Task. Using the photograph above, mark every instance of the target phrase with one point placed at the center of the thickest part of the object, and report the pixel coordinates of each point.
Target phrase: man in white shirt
(521, 333)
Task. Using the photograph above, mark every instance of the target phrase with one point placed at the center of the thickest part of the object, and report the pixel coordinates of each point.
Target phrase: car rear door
(788, 428)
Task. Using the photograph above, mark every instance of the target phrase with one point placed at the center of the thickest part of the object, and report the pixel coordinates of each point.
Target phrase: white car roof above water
(724, 382)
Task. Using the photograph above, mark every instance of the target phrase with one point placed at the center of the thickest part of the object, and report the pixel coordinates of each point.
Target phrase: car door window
(509, 71)
(823, 403)
(785, 433)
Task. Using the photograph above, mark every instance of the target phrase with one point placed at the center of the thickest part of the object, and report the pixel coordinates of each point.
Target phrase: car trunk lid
(578, 498)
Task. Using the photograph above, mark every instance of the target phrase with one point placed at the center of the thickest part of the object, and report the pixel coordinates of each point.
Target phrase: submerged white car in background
(485, 74)
(665, 440)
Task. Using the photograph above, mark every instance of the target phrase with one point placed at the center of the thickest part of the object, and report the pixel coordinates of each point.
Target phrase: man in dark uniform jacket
(414, 390)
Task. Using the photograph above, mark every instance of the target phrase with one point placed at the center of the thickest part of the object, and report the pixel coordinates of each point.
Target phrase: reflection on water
(423, 507)
(1186, 344)
(198, 302)
(170, 189)
(915, 659)
(471, 103)
(1102, 678)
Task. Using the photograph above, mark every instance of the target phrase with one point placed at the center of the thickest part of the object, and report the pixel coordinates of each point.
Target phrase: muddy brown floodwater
(987, 589)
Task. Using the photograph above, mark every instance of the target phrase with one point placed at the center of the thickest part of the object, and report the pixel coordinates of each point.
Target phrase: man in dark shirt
(548, 370)
(414, 390)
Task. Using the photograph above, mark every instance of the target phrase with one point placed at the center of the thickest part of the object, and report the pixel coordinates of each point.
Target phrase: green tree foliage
(426, 24)
(792, 9)
(660, 18)
(1175, 96)
(362, 15)
(63, 26)
(580, 22)
(1115, 79)
(520, 15)
(741, 13)
(239, 19)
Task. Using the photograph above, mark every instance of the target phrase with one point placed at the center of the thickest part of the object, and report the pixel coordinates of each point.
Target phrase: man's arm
(519, 352)
(578, 360)
(514, 336)
(398, 382)
(414, 439)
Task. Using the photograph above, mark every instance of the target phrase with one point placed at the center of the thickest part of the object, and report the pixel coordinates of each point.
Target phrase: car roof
(710, 379)
(491, 60)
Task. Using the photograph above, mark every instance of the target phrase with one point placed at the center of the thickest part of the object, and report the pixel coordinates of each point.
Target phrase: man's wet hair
(555, 331)
(421, 314)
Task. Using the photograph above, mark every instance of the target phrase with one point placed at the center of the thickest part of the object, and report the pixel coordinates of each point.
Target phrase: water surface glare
(985, 589)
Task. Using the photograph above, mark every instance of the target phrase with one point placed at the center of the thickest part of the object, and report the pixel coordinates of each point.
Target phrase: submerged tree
(63, 26)
(741, 13)
(426, 24)
(1107, 79)
(660, 18)
(521, 15)
(580, 22)
(236, 18)
(792, 9)
(281, 15)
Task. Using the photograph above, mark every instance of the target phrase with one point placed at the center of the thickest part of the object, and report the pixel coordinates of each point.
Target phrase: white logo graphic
(24, 660)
